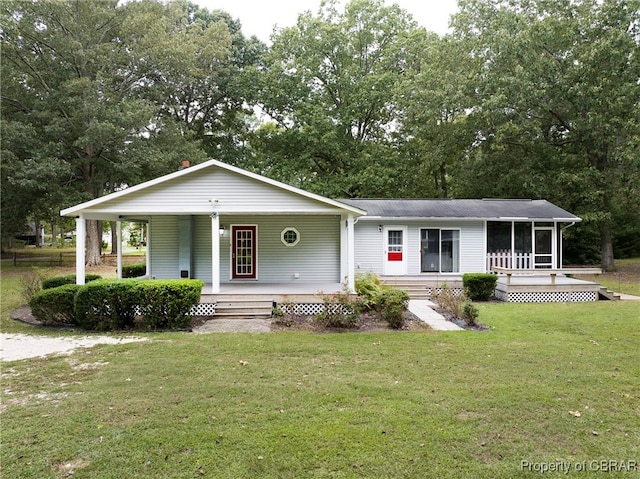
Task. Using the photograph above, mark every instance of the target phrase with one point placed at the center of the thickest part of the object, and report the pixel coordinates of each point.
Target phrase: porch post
(80, 245)
(147, 254)
(351, 266)
(513, 246)
(344, 271)
(119, 248)
(215, 253)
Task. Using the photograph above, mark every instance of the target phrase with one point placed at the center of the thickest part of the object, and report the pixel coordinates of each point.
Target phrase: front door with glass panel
(543, 248)
(243, 252)
(395, 250)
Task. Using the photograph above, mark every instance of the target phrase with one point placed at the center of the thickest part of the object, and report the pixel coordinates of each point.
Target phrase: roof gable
(210, 186)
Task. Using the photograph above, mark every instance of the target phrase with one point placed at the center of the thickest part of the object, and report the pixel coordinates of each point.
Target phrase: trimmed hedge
(129, 303)
(55, 306)
(166, 304)
(106, 305)
(57, 281)
(134, 270)
(479, 286)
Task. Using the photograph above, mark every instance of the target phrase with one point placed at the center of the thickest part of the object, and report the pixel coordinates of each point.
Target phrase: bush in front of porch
(110, 305)
(479, 286)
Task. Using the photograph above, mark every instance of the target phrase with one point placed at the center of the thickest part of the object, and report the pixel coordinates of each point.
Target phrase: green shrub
(57, 281)
(393, 303)
(55, 306)
(369, 288)
(339, 311)
(134, 270)
(479, 286)
(107, 305)
(470, 314)
(166, 304)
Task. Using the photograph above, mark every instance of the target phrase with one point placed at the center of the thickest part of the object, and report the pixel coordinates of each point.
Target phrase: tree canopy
(525, 98)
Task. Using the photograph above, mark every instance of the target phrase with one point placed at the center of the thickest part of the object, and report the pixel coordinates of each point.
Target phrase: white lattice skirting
(311, 309)
(302, 309)
(203, 309)
(547, 296)
(436, 291)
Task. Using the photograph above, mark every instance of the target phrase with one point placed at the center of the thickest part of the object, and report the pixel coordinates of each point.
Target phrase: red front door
(243, 261)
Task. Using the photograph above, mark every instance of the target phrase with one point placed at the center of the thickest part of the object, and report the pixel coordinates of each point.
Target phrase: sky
(258, 17)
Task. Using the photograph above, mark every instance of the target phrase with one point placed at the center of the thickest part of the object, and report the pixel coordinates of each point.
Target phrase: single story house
(232, 228)
(225, 225)
(401, 237)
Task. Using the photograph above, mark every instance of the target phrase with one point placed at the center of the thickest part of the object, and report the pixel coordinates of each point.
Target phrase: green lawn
(549, 384)
(447, 404)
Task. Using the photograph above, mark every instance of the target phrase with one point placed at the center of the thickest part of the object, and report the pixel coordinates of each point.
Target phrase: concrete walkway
(423, 309)
(628, 297)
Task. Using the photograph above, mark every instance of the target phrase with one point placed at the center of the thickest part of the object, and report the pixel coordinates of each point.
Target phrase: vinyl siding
(369, 244)
(164, 247)
(201, 252)
(235, 194)
(316, 258)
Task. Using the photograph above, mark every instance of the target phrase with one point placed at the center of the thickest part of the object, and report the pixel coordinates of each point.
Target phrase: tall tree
(194, 63)
(72, 76)
(435, 97)
(557, 103)
(328, 85)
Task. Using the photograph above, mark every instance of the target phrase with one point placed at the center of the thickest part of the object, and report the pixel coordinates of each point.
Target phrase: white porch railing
(505, 259)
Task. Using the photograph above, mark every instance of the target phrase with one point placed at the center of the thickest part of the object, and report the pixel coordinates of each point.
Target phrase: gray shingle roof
(488, 209)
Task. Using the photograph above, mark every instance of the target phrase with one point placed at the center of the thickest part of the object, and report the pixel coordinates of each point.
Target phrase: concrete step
(244, 308)
(607, 294)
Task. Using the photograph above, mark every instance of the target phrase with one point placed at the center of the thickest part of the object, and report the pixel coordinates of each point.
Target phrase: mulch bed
(367, 323)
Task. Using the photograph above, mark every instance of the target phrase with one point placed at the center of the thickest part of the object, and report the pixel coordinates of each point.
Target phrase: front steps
(607, 294)
(423, 288)
(238, 308)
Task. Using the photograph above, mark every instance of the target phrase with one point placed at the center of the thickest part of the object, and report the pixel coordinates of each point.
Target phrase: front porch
(259, 299)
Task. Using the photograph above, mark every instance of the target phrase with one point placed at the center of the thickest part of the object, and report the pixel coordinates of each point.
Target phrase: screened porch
(523, 245)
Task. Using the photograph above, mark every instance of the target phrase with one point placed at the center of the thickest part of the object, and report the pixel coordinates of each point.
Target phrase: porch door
(543, 248)
(395, 250)
(243, 252)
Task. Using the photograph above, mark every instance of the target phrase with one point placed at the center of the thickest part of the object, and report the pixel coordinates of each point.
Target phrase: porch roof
(207, 188)
(463, 209)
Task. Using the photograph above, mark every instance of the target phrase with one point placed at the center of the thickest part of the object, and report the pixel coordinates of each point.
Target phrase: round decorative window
(290, 236)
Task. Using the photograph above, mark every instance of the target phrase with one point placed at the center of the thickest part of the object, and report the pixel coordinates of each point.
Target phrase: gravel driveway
(24, 346)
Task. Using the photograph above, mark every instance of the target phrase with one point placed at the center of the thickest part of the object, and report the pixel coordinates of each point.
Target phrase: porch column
(147, 253)
(215, 253)
(80, 245)
(351, 265)
(119, 248)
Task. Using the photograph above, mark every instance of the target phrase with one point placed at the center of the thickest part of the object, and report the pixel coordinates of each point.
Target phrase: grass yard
(550, 384)
(625, 280)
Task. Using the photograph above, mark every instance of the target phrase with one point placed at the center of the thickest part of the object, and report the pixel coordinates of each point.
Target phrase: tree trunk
(54, 232)
(36, 228)
(114, 237)
(606, 247)
(94, 243)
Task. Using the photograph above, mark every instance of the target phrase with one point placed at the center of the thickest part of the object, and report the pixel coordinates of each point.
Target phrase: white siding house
(222, 224)
(446, 238)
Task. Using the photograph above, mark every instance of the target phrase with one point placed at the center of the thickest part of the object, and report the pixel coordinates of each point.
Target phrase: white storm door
(395, 250)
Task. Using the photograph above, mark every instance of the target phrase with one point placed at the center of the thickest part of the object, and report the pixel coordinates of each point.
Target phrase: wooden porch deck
(278, 292)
